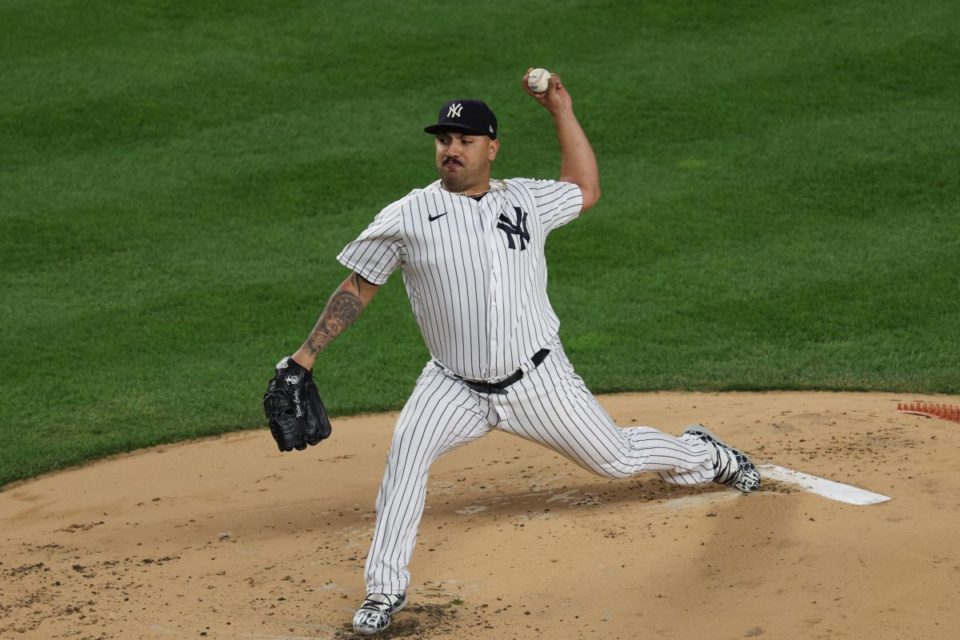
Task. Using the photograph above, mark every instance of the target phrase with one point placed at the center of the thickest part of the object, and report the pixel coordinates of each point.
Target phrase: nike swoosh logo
(432, 218)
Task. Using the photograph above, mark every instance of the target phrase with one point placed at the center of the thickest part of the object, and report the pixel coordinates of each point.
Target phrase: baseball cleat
(732, 467)
(374, 614)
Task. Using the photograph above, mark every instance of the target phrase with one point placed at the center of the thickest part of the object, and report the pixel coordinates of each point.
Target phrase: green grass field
(781, 204)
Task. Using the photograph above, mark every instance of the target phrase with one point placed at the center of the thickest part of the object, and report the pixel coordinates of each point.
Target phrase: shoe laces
(734, 469)
(383, 602)
(731, 467)
(726, 466)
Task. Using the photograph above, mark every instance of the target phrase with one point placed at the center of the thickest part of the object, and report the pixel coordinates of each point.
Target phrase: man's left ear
(494, 147)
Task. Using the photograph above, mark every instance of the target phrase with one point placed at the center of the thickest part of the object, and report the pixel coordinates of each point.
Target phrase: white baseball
(538, 80)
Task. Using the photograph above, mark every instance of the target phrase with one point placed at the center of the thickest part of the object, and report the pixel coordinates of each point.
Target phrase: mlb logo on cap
(465, 116)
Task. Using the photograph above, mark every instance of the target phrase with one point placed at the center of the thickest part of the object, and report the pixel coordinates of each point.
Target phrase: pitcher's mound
(227, 538)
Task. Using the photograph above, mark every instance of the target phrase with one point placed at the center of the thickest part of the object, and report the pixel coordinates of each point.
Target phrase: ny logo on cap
(454, 110)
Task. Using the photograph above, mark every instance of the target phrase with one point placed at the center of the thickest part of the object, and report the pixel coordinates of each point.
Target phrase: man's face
(463, 160)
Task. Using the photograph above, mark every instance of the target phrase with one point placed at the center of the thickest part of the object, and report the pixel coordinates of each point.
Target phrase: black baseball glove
(294, 410)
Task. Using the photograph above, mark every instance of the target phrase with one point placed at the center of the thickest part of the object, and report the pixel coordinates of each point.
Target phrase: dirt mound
(226, 538)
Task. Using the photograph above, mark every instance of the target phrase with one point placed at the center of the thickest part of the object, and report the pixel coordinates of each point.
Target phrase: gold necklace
(473, 195)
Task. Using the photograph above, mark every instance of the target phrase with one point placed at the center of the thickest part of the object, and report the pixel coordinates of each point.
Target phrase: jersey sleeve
(378, 250)
(557, 202)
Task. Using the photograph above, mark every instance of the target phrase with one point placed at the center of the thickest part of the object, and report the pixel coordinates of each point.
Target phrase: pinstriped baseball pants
(550, 405)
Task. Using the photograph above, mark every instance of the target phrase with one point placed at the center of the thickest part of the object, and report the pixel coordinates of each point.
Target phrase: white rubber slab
(822, 487)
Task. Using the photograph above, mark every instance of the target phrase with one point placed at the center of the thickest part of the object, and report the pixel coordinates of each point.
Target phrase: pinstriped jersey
(475, 271)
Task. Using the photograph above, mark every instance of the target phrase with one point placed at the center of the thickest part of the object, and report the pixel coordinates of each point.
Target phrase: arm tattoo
(342, 309)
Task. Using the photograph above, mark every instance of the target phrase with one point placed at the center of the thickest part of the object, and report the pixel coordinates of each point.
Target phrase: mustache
(447, 161)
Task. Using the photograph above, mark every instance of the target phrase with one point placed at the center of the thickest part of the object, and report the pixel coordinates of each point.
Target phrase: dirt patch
(227, 538)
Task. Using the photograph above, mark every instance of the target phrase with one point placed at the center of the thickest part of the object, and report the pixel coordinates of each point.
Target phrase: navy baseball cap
(466, 116)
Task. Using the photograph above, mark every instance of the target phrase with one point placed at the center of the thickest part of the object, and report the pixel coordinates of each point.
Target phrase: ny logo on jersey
(454, 110)
(518, 228)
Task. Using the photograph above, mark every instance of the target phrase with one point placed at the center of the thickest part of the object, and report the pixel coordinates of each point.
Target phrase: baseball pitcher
(471, 251)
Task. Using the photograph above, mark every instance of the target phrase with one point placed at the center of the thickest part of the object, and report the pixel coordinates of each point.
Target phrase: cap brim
(459, 128)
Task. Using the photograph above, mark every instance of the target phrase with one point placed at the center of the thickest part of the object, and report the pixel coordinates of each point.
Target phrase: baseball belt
(501, 386)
